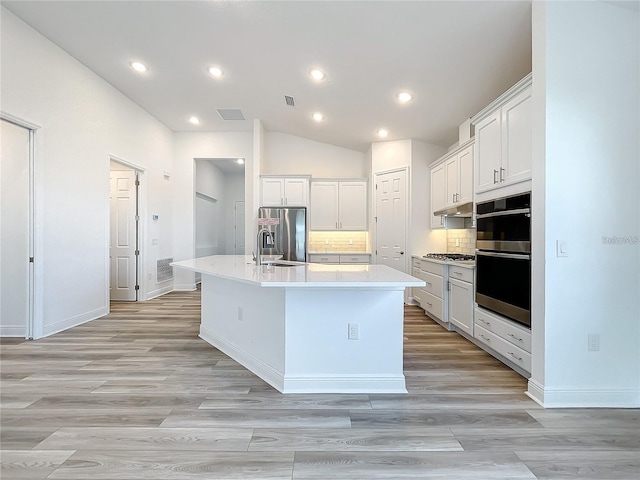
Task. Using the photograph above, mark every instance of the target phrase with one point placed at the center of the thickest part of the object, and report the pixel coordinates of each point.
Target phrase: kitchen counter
(308, 328)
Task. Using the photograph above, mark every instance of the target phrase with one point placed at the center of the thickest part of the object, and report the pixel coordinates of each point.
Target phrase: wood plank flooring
(137, 395)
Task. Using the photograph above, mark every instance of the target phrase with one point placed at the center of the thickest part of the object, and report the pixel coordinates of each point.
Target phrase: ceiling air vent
(289, 100)
(230, 114)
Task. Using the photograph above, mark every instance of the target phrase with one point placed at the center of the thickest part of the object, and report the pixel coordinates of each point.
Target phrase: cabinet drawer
(432, 305)
(431, 267)
(461, 273)
(435, 283)
(506, 349)
(519, 336)
(324, 258)
(357, 258)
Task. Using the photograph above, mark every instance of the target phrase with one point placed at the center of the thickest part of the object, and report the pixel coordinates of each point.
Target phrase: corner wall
(585, 179)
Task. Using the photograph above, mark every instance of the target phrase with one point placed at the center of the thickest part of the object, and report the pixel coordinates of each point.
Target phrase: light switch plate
(562, 249)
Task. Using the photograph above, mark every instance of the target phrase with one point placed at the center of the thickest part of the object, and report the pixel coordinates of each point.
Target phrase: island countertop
(243, 269)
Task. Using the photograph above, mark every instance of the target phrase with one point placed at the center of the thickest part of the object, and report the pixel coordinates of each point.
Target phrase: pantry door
(123, 251)
(391, 219)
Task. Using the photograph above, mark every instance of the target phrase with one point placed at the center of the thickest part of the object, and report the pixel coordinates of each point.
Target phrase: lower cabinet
(340, 258)
(431, 297)
(461, 301)
(503, 337)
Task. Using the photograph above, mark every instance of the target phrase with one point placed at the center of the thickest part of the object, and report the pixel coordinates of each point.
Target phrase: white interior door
(239, 228)
(122, 248)
(14, 230)
(391, 219)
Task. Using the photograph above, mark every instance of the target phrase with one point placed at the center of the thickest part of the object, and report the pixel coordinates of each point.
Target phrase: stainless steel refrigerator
(289, 234)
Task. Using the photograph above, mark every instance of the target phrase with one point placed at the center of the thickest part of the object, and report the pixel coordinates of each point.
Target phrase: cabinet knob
(401, 253)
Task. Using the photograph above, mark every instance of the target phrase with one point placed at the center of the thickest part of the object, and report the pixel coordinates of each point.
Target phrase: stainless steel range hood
(460, 211)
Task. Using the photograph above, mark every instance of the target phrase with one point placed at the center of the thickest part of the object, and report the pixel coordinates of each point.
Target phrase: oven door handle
(519, 256)
(505, 212)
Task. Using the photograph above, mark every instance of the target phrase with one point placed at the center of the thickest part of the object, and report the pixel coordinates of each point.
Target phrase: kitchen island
(307, 328)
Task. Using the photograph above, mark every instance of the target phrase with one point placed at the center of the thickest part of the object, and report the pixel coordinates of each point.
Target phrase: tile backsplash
(338, 241)
(466, 240)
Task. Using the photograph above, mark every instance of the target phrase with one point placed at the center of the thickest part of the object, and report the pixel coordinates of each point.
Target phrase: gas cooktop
(456, 257)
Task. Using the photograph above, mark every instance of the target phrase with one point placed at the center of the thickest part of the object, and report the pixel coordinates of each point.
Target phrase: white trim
(594, 397)
(21, 122)
(126, 163)
(75, 321)
(159, 292)
(13, 331)
(184, 287)
(504, 98)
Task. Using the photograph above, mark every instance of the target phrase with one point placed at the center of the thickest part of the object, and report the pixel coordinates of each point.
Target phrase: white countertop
(241, 268)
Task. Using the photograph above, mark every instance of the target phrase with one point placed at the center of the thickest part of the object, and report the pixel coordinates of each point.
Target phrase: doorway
(219, 207)
(124, 220)
(16, 231)
(391, 219)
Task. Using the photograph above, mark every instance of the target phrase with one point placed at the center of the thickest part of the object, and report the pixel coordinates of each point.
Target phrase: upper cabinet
(503, 140)
(451, 181)
(338, 205)
(284, 191)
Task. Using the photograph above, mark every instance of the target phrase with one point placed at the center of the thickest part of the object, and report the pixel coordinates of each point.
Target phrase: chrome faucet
(259, 243)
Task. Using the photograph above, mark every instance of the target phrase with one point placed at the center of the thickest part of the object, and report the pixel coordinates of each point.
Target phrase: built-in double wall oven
(503, 257)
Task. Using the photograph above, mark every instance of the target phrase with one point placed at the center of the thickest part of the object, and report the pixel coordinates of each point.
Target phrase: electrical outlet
(350, 241)
(593, 340)
(457, 242)
(326, 241)
(353, 331)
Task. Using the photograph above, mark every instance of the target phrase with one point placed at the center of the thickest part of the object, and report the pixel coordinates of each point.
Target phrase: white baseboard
(74, 321)
(159, 292)
(184, 287)
(306, 384)
(550, 397)
(13, 331)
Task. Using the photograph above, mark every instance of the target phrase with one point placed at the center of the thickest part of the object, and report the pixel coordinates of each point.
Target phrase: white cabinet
(451, 182)
(438, 194)
(338, 205)
(430, 297)
(461, 298)
(503, 338)
(284, 191)
(503, 140)
(340, 258)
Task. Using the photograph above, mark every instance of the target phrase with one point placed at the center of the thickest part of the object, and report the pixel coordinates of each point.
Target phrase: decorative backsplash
(338, 241)
(466, 241)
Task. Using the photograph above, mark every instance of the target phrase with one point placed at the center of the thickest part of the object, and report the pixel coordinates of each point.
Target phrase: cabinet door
(296, 192)
(272, 192)
(438, 194)
(323, 210)
(516, 139)
(465, 175)
(488, 153)
(461, 305)
(352, 206)
(451, 176)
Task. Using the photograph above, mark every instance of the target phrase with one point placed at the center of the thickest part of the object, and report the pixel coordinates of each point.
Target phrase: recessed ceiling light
(318, 117)
(382, 132)
(139, 67)
(215, 71)
(240, 161)
(404, 97)
(194, 120)
(317, 74)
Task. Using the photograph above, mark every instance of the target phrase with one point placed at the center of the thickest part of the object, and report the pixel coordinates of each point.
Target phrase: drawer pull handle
(429, 303)
(457, 273)
(485, 322)
(514, 337)
(486, 339)
(515, 356)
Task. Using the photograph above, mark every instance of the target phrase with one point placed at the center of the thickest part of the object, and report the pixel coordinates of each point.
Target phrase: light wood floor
(137, 395)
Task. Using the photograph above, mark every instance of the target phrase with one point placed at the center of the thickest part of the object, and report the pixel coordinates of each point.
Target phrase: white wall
(587, 159)
(291, 155)
(186, 148)
(83, 121)
(210, 206)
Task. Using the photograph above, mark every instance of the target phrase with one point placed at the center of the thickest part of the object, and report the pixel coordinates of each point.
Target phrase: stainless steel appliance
(503, 256)
(288, 233)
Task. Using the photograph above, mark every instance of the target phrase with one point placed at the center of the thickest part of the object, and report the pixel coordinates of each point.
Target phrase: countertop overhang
(242, 268)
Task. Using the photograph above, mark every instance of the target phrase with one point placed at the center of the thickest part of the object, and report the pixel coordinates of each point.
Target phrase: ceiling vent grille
(230, 114)
(290, 101)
